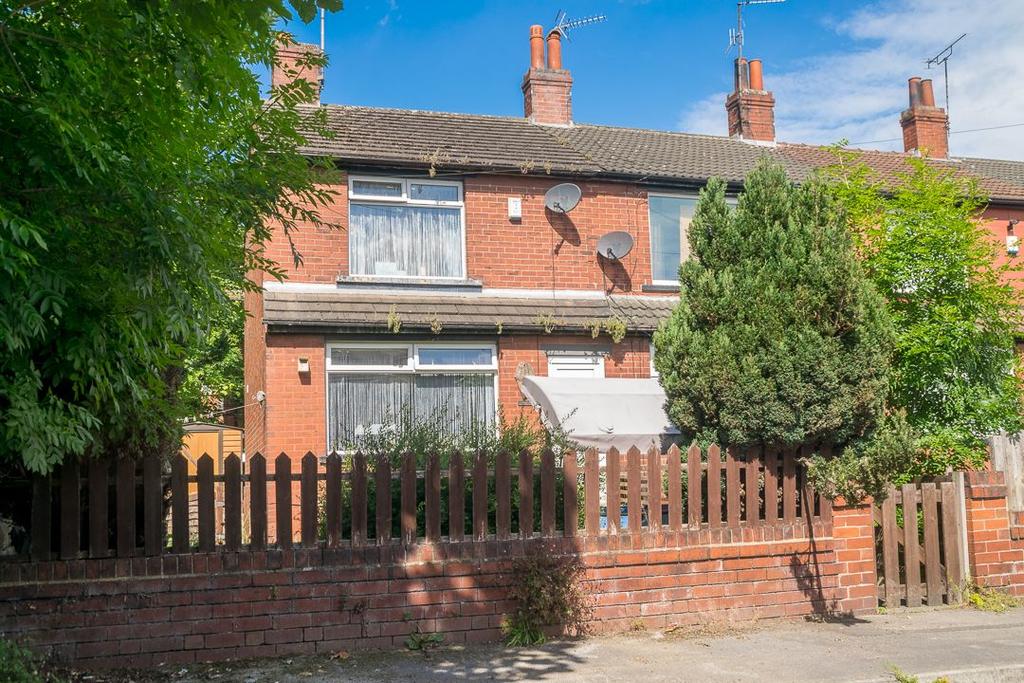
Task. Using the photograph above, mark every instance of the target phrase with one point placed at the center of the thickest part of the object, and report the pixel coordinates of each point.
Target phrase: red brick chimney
(925, 126)
(750, 107)
(288, 66)
(547, 89)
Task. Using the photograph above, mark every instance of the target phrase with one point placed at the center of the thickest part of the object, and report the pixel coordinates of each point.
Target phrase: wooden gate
(920, 540)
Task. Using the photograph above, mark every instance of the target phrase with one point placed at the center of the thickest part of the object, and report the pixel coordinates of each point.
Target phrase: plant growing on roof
(594, 326)
(778, 337)
(546, 321)
(394, 321)
(616, 328)
(435, 325)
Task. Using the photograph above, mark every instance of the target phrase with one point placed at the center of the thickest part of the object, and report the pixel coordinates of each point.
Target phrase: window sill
(467, 285)
(659, 288)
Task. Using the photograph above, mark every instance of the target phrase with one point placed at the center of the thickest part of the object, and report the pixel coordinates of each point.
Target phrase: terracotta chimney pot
(555, 51)
(536, 46)
(756, 74)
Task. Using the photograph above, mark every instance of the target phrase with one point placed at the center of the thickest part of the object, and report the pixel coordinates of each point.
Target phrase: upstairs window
(406, 228)
(670, 220)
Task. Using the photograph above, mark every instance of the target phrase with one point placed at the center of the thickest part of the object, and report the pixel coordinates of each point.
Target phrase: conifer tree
(778, 338)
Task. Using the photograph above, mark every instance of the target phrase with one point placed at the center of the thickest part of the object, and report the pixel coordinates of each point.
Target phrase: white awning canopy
(600, 413)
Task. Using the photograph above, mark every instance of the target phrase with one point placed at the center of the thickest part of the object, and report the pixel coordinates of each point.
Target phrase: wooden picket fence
(922, 539)
(433, 499)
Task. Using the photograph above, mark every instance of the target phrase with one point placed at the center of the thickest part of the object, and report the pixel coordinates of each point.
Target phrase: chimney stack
(751, 108)
(547, 88)
(288, 67)
(925, 126)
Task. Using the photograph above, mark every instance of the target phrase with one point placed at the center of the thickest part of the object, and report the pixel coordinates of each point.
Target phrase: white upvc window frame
(411, 367)
(407, 200)
(650, 230)
(654, 370)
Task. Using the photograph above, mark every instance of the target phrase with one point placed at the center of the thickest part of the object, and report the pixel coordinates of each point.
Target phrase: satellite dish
(563, 198)
(615, 245)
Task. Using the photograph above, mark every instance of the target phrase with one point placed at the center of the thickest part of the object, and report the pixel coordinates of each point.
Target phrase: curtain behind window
(357, 403)
(411, 241)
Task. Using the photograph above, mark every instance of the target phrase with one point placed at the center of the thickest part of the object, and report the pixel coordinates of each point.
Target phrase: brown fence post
(633, 484)
(153, 505)
(180, 541)
(654, 488)
(675, 489)
(98, 507)
(890, 549)
(283, 499)
(480, 496)
(359, 500)
(752, 486)
(951, 535)
(771, 486)
(613, 489)
(714, 486)
(125, 508)
(232, 503)
(547, 492)
(382, 498)
(307, 491)
(694, 503)
(258, 502)
(592, 492)
(570, 490)
(503, 494)
(525, 494)
(42, 519)
(206, 511)
(456, 497)
(932, 568)
(332, 500)
(788, 486)
(70, 510)
(911, 549)
(432, 497)
(732, 488)
(408, 500)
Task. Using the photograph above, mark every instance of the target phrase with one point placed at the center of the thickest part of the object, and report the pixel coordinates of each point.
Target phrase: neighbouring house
(450, 283)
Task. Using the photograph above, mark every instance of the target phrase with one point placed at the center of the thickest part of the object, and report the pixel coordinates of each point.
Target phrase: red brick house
(450, 281)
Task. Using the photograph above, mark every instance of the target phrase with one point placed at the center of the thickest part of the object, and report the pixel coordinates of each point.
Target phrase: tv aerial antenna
(563, 24)
(943, 59)
(736, 34)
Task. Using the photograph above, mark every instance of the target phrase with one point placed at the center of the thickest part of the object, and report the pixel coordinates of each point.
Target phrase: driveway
(962, 644)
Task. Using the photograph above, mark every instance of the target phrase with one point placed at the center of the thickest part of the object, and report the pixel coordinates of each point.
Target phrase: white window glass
(405, 241)
(576, 365)
(435, 355)
(432, 192)
(397, 357)
(377, 188)
(670, 220)
(360, 405)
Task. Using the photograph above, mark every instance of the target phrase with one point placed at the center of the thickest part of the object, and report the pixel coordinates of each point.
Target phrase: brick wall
(924, 129)
(857, 585)
(186, 608)
(996, 557)
(547, 96)
(751, 115)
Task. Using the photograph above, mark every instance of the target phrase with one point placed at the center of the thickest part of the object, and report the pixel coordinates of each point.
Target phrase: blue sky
(838, 67)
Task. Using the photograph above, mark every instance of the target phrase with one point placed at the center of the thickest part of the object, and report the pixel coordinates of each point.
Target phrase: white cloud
(859, 94)
(391, 12)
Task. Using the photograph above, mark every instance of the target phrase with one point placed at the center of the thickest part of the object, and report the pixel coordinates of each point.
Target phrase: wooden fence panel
(890, 550)
(283, 499)
(714, 486)
(503, 495)
(180, 541)
(752, 487)
(675, 489)
(633, 483)
(332, 500)
(206, 510)
(125, 508)
(547, 492)
(382, 498)
(694, 503)
(932, 569)
(911, 549)
(771, 486)
(456, 497)
(42, 518)
(654, 488)
(432, 498)
(480, 496)
(732, 488)
(952, 534)
(152, 505)
(232, 503)
(70, 510)
(258, 502)
(570, 491)
(408, 499)
(788, 486)
(307, 499)
(525, 494)
(613, 489)
(98, 507)
(359, 495)
(592, 492)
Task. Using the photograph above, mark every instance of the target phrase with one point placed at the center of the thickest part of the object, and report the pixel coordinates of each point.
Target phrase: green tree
(139, 170)
(922, 241)
(214, 368)
(778, 338)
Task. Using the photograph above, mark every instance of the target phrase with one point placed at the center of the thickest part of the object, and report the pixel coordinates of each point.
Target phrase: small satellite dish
(615, 245)
(563, 198)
